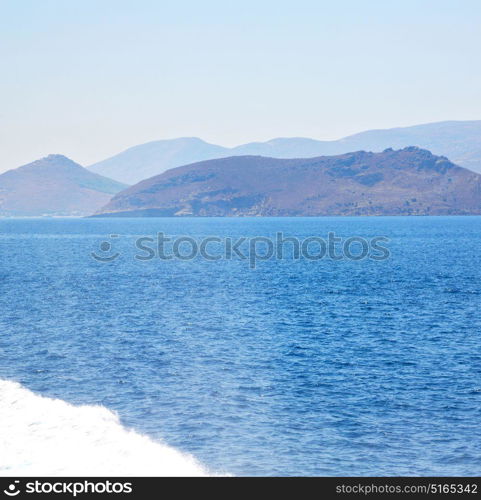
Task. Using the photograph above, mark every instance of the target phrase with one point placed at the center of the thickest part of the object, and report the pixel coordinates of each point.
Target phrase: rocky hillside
(54, 185)
(410, 181)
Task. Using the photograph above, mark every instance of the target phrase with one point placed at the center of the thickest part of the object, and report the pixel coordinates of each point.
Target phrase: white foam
(41, 436)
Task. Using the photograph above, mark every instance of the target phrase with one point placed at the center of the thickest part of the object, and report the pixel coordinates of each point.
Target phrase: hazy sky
(90, 78)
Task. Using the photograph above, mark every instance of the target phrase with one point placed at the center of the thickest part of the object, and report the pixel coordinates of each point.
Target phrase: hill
(458, 140)
(410, 181)
(54, 185)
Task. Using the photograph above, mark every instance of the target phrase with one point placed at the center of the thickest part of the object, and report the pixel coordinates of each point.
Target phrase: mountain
(146, 160)
(54, 185)
(460, 141)
(411, 181)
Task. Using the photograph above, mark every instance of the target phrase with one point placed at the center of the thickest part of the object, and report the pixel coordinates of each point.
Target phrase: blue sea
(297, 367)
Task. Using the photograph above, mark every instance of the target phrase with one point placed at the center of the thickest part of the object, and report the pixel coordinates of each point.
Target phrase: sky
(90, 78)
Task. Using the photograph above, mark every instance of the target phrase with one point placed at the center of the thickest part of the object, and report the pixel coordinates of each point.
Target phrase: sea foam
(40, 436)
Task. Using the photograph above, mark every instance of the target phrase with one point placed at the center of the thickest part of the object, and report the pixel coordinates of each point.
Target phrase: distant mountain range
(460, 141)
(54, 185)
(295, 176)
(411, 181)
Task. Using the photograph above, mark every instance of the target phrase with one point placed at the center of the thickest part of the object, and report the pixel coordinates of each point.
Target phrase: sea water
(294, 367)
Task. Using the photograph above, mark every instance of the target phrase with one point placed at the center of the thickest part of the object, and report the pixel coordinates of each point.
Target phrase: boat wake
(40, 436)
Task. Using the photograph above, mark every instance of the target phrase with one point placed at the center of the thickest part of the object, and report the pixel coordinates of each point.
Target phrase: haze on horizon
(89, 79)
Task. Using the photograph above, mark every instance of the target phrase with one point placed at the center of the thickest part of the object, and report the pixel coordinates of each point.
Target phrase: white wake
(41, 436)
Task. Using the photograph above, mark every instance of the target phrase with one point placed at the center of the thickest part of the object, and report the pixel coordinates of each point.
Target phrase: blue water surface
(296, 367)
